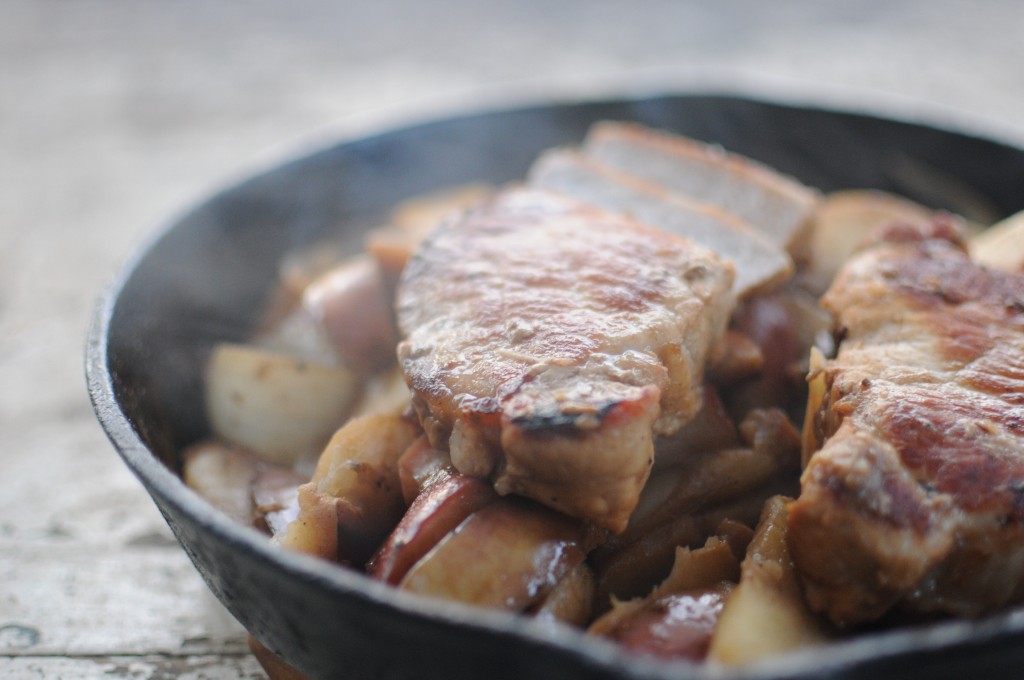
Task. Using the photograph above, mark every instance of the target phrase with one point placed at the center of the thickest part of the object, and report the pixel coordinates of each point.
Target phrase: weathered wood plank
(72, 488)
(151, 667)
(86, 600)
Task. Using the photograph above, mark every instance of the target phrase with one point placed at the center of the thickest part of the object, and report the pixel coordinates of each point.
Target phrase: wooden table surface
(116, 114)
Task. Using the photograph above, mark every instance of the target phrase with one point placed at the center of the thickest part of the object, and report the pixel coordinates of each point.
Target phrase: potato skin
(355, 497)
(508, 555)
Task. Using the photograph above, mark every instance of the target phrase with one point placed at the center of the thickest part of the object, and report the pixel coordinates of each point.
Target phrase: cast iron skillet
(207, 274)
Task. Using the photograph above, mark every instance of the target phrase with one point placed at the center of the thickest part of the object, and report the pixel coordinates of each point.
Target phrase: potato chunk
(841, 223)
(352, 304)
(439, 508)
(355, 497)
(1001, 246)
(222, 475)
(507, 555)
(766, 613)
(278, 406)
(679, 616)
(572, 599)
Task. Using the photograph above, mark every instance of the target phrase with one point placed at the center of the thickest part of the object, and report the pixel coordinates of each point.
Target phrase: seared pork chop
(546, 341)
(916, 499)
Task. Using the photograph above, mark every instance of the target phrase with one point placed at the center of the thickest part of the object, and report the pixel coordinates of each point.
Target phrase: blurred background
(116, 115)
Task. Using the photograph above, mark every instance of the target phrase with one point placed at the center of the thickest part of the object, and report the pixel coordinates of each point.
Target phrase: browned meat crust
(547, 340)
(917, 497)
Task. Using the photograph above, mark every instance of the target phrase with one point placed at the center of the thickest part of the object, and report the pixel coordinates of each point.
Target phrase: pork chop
(916, 499)
(546, 341)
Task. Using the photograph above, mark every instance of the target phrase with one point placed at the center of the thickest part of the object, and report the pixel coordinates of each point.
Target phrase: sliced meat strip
(759, 263)
(775, 204)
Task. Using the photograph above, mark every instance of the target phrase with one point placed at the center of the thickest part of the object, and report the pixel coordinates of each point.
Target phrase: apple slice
(275, 667)
(413, 219)
(785, 325)
(674, 494)
(297, 334)
(741, 358)
(384, 393)
(633, 569)
(507, 555)
(442, 506)
(712, 429)
(314, 530)
(676, 626)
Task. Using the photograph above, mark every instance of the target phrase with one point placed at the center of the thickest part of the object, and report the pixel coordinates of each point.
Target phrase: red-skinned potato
(440, 507)
(677, 619)
(419, 466)
(508, 555)
(572, 599)
(355, 497)
(352, 304)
